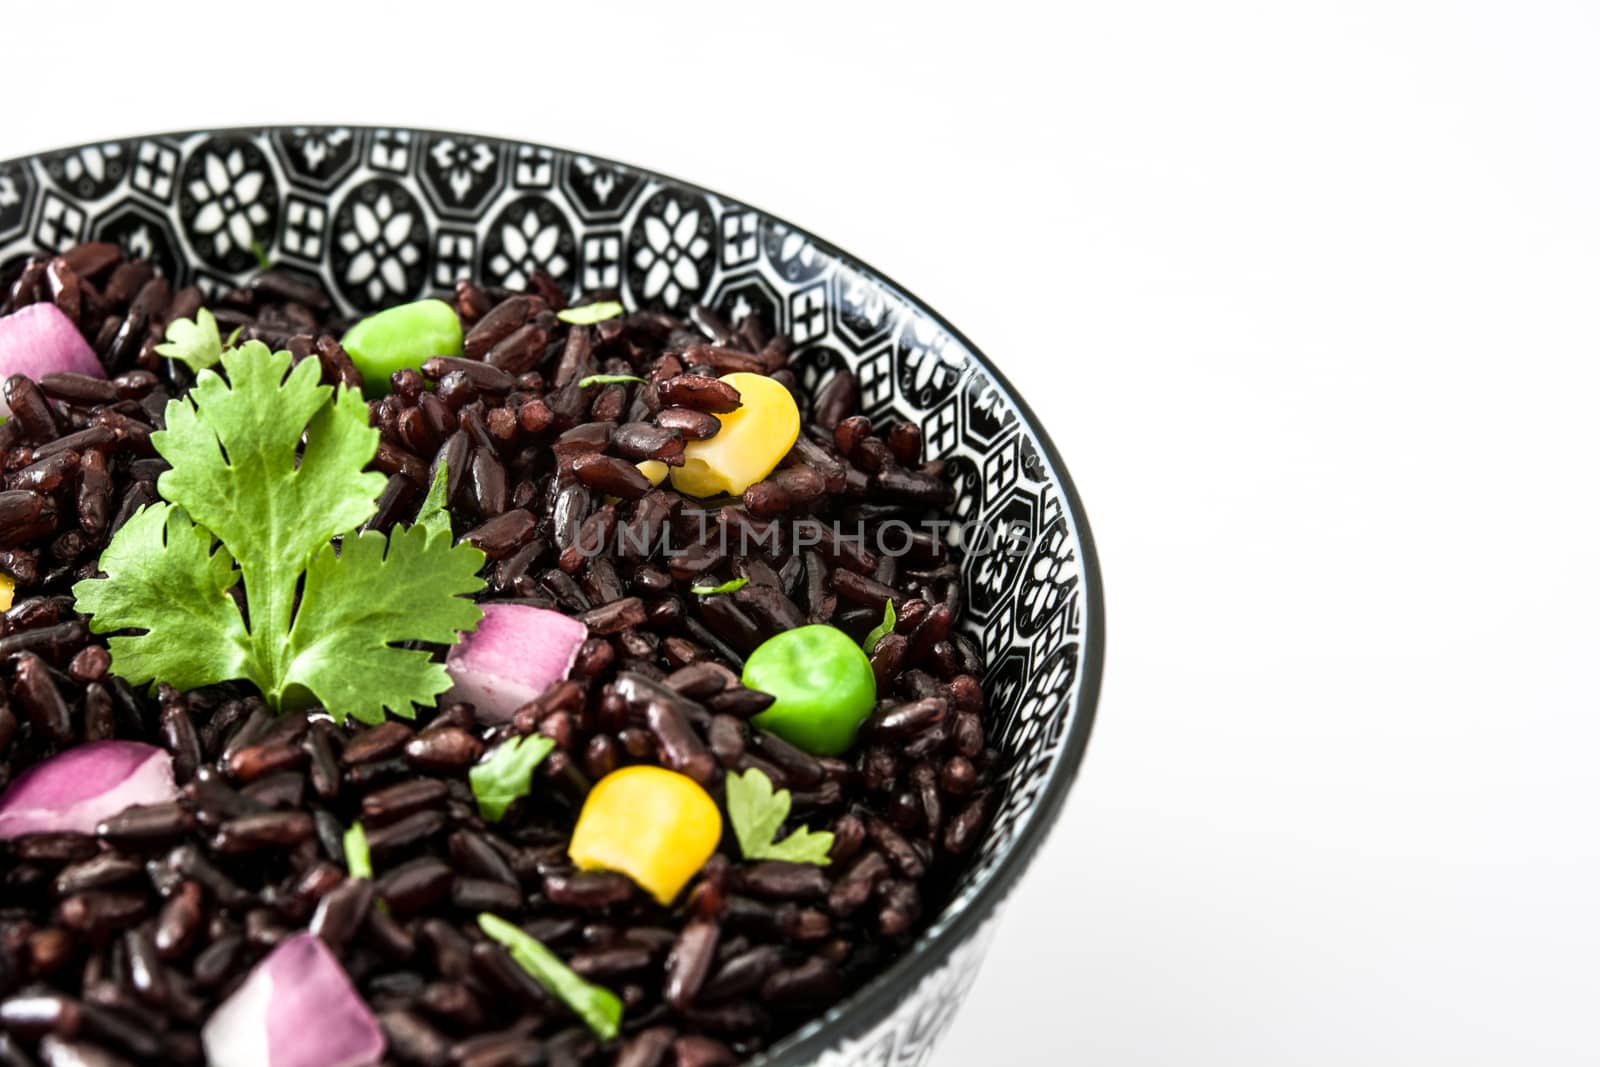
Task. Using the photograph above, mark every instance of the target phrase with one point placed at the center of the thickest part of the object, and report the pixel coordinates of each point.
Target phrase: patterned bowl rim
(876, 1000)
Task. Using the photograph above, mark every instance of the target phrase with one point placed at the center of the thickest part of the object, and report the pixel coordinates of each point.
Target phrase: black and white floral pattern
(670, 250)
(461, 174)
(792, 253)
(318, 156)
(963, 474)
(992, 568)
(748, 293)
(142, 230)
(529, 235)
(1050, 575)
(600, 191)
(380, 244)
(863, 311)
(90, 171)
(387, 215)
(815, 365)
(928, 362)
(229, 202)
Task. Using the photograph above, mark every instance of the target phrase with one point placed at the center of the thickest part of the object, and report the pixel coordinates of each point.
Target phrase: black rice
(114, 948)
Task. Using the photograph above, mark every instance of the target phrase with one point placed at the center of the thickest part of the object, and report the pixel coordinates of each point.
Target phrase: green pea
(823, 683)
(402, 337)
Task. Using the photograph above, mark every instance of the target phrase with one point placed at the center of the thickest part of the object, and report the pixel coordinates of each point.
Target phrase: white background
(1308, 295)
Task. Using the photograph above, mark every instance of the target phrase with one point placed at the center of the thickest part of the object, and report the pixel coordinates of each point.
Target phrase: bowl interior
(383, 216)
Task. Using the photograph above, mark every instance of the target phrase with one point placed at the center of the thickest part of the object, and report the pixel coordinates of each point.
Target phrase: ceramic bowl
(383, 216)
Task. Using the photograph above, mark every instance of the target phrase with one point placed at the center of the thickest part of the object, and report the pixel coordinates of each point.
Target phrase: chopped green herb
(607, 379)
(195, 342)
(883, 629)
(259, 250)
(506, 773)
(757, 814)
(324, 621)
(233, 338)
(167, 576)
(600, 1008)
(589, 314)
(717, 590)
(434, 516)
(364, 599)
(357, 856)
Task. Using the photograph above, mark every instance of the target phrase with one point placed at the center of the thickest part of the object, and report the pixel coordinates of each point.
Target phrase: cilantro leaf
(883, 629)
(717, 590)
(234, 449)
(803, 846)
(195, 342)
(757, 814)
(608, 379)
(239, 474)
(589, 314)
(163, 576)
(238, 471)
(506, 773)
(357, 855)
(600, 1008)
(433, 516)
(360, 600)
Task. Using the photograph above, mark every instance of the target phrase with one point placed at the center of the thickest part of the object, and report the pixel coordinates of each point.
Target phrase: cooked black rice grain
(114, 948)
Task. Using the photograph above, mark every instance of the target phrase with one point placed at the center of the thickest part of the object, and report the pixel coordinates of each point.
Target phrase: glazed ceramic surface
(382, 216)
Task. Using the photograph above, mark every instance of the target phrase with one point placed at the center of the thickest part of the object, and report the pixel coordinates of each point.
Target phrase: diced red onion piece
(40, 340)
(75, 790)
(516, 653)
(297, 1008)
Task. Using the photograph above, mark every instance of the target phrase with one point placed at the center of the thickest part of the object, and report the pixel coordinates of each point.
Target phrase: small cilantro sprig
(883, 629)
(732, 586)
(608, 379)
(506, 773)
(757, 814)
(325, 622)
(597, 1006)
(357, 854)
(195, 342)
(589, 314)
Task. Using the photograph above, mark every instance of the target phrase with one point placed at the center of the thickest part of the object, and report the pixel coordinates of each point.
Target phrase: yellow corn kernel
(656, 826)
(753, 438)
(8, 589)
